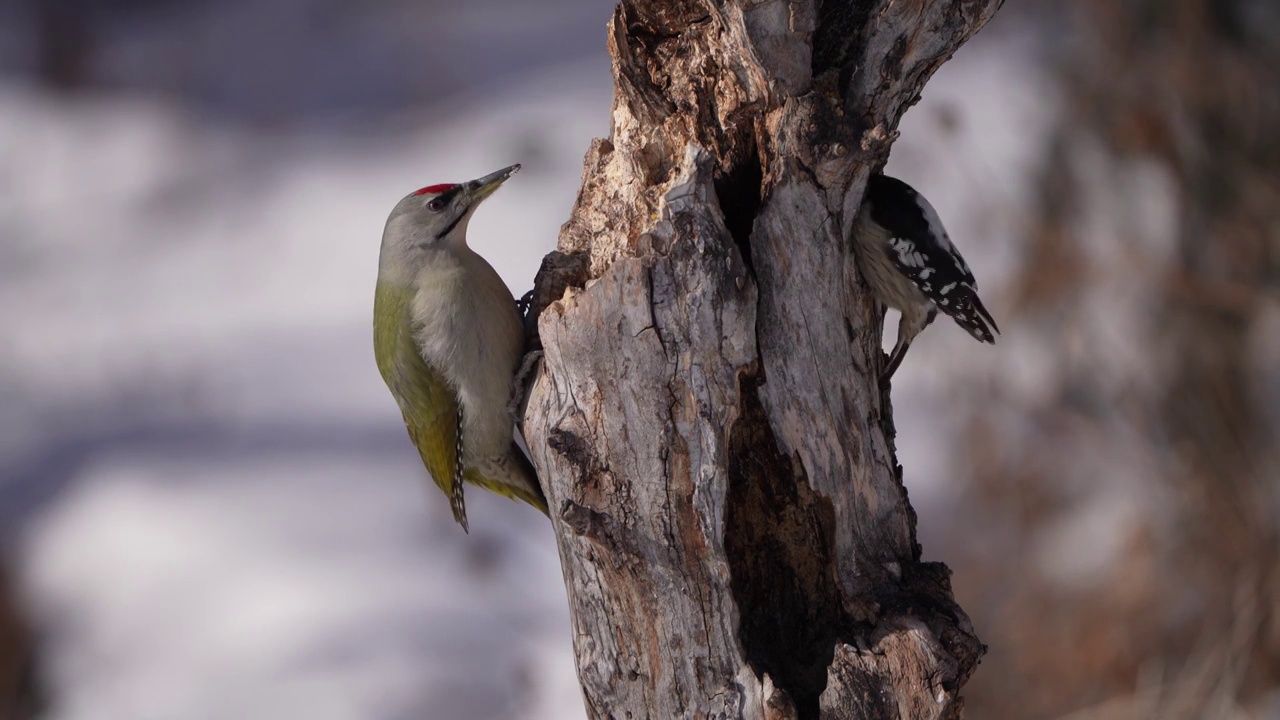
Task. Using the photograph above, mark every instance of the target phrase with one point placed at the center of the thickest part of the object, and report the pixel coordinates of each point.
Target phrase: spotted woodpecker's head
(435, 217)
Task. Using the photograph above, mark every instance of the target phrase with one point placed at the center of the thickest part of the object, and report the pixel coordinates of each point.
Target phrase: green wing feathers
(428, 404)
(436, 438)
(433, 416)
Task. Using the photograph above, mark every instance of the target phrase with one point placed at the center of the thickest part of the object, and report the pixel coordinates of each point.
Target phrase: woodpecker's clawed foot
(524, 302)
(520, 384)
(892, 362)
(886, 380)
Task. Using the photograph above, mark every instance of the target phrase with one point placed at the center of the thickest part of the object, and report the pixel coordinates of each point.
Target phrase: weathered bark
(735, 535)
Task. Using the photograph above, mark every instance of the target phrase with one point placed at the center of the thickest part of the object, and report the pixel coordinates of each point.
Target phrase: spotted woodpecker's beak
(481, 188)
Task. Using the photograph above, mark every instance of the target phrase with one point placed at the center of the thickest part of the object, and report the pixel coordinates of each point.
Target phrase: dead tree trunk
(735, 535)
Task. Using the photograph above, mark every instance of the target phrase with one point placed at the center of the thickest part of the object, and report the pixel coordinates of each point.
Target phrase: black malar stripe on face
(449, 228)
(448, 197)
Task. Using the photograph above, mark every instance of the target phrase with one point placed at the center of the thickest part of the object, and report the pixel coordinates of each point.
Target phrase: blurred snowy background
(208, 503)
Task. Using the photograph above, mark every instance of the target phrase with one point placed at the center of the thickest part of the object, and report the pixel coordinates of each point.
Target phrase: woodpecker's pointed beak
(481, 188)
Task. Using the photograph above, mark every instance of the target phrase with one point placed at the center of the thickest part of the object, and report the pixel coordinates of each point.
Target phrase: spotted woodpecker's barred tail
(966, 308)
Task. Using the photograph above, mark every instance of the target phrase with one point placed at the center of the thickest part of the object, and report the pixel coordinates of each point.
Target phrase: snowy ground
(217, 508)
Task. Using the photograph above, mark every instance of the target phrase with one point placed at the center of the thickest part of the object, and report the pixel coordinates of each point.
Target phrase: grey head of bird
(434, 218)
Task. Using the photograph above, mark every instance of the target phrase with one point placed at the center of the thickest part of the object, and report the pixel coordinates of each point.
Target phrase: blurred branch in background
(291, 65)
(64, 44)
(1152, 269)
(19, 685)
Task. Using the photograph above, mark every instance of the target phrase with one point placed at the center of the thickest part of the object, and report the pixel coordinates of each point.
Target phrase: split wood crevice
(735, 536)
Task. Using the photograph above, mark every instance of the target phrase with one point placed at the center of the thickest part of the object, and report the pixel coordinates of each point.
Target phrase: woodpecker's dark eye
(435, 205)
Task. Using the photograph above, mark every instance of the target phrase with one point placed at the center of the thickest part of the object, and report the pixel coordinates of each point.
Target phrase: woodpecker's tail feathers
(535, 496)
(982, 310)
(967, 310)
(512, 476)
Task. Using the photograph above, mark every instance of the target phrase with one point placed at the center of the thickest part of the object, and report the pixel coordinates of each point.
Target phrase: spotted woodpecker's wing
(921, 250)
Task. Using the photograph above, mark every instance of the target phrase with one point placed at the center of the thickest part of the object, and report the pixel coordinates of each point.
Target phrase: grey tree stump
(734, 532)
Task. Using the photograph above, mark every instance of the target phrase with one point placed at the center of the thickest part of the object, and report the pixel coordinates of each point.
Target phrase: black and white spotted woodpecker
(908, 260)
